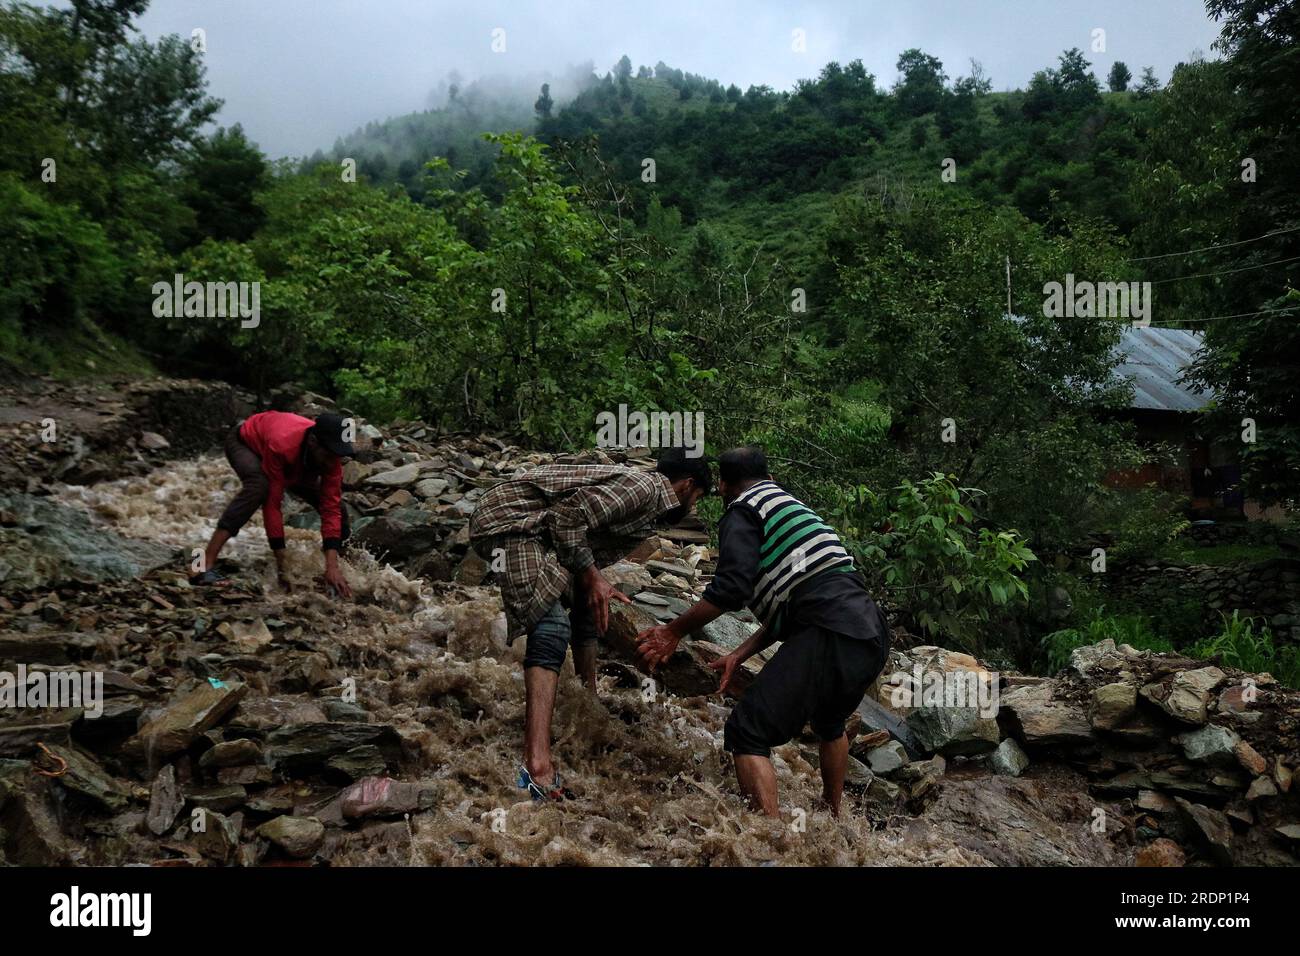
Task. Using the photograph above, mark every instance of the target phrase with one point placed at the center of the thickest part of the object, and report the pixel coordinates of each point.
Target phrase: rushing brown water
(652, 783)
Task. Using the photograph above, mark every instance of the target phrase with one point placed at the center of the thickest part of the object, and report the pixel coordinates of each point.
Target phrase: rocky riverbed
(248, 726)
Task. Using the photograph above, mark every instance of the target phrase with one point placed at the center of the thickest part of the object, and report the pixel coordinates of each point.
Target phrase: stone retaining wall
(1268, 591)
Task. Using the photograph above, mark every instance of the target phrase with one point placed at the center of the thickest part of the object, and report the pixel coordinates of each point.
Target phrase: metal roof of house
(1154, 360)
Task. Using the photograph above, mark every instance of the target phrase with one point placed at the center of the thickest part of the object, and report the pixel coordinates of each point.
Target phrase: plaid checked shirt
(542, 518)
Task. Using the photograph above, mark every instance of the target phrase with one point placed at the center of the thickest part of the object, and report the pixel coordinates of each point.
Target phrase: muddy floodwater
(652, 783)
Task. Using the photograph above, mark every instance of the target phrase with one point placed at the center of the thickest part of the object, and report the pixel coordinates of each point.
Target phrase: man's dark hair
(746, 463)
(675, 465)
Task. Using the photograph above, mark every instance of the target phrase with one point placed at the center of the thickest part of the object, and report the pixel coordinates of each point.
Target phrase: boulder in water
(44, 544)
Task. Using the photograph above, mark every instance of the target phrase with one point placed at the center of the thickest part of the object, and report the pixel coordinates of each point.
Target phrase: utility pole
(1008, 286)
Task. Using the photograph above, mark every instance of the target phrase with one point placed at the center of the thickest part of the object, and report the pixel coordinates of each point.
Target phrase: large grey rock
(953, 731)
(1186, 696)
(1009, 760)
(1209, 828)
(1113, 705)
(395, 478)
(44, 544)
(165, 801)
(857, 774)
(86, 778)
(401, 533)
(386, 797)
(430, 487)
(1210, 744)
(888, 757)
(216, 836)
(628, 577)
(1038, 718)
(305, 748)
(876, 716)
(232, 753)
(182, 721)
(363, 761)
(1103, 654)
(298, 837)
(221, 798)
(728, 631)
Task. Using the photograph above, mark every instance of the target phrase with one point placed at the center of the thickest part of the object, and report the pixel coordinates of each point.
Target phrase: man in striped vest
(789, 567)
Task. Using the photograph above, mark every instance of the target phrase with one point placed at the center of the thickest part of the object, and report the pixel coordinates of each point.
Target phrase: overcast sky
(298, 73)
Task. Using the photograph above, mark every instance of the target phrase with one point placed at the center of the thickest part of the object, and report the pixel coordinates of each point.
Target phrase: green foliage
(56, 268)
(1146, 523)
(1246, 113)
(1015, 406)
(1118, 78)
(1248, 647)
(221, 179)
(921, 548)
(1132, 629)
(1225, 555)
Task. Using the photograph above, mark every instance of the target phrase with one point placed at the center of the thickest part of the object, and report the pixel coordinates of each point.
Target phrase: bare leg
(539, 690)
(218, 541)
(835, 761)
(584, 664)
(757, 778)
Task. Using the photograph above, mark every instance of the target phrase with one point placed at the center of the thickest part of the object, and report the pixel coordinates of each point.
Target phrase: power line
(1240, 315)
(1224, 245)
(1224, 272)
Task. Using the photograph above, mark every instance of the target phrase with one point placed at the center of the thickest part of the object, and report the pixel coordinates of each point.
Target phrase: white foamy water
(652, 782)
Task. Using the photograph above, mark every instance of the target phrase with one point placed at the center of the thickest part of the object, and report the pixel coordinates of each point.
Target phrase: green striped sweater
(797, 545)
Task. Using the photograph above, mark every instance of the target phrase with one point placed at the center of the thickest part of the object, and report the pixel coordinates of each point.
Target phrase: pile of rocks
(1198, 759)
(212, 714)
(96, 431)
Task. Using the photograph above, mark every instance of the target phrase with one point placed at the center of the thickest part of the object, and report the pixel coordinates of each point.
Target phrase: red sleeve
(272, 513)
(331, 508)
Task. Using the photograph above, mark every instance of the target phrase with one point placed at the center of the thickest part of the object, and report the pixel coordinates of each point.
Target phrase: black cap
(329, 432)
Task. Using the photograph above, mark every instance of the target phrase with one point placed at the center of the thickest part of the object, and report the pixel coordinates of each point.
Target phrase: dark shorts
(817, 677)
(550, 637)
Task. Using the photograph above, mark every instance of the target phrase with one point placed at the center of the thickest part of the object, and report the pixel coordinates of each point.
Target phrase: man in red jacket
(275, 452)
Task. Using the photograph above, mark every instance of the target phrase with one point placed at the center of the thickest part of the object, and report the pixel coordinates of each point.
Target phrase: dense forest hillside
(851, 272)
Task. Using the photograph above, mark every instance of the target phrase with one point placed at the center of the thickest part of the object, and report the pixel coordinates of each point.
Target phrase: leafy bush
(1146, 523)
(56, 268)
(1244, 646)
(921, 549)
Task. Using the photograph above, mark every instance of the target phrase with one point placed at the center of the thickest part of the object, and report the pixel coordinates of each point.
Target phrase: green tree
(220, 180)
(920, 83)
(1149, 84)
(544, 103)
(1119, 77)
(1254, 360)
(1013, 405)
